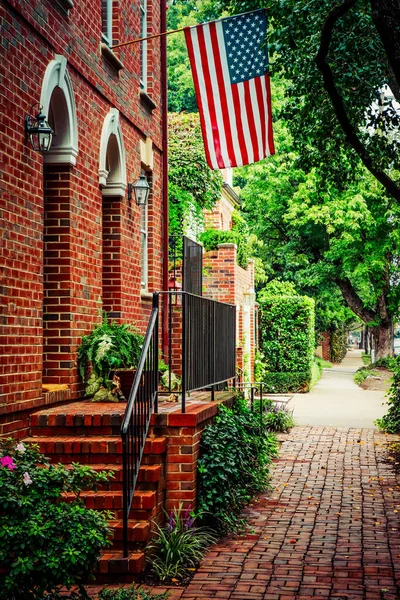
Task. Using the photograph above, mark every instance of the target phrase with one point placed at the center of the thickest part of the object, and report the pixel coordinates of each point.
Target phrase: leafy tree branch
(337, 102)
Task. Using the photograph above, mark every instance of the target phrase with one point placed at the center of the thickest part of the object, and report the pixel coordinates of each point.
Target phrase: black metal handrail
(142, 402)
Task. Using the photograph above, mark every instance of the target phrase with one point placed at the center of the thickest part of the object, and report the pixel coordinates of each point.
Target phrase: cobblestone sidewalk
(329, 528)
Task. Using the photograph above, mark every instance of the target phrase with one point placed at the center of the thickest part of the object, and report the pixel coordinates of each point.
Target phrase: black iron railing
(141, 404)
(202, 341)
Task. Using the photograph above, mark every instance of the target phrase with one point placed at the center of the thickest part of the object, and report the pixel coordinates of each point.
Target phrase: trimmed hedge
(287, 338)
(282, 383)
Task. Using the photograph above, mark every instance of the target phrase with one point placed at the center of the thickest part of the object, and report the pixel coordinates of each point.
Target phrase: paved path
(329, 529)
(337, 401)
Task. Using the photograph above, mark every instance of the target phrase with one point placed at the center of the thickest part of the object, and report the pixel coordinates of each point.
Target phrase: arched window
(57, 100)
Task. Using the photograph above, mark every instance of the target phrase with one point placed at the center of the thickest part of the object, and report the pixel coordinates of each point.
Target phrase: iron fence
(202, 341)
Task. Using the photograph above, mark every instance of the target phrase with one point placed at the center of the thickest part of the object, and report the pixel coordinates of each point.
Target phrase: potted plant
(103, 353)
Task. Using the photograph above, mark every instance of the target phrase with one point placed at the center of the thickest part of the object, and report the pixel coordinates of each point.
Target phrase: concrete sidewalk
(337, 401)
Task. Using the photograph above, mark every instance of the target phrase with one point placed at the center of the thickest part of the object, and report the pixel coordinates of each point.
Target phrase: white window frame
(107, 36)
(143, 49)
(144, 245)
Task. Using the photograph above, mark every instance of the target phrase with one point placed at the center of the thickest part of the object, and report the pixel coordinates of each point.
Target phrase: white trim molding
(57, 97)
(112, 172)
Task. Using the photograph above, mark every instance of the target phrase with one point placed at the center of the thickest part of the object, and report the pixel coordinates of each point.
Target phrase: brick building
(226, 281)
(74, 242)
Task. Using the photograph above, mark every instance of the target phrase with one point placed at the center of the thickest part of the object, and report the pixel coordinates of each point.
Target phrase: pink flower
(20, 448)
(27, 479)
(8, 462)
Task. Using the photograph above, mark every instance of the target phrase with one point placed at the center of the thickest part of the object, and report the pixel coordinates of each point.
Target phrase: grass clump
(177, 548)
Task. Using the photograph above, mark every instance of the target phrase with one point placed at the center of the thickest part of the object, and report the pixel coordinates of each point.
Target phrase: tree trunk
(383, 339)
(386, 17)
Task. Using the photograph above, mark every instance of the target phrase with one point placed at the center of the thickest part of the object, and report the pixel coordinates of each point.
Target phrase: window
(106, 20)
(144, 245)
(143, 33)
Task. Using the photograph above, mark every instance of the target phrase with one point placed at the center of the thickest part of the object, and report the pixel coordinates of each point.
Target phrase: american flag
(230, 73)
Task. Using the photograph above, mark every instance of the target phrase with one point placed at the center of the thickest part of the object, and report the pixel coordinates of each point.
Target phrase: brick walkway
(329, 528)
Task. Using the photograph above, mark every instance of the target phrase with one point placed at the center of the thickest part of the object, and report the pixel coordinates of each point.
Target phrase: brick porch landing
(89, 433)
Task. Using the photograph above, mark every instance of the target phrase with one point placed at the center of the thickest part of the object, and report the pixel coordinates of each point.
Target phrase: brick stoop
(89, 433)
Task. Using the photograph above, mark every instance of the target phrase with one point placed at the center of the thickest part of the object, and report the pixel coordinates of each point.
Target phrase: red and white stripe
(235, 117)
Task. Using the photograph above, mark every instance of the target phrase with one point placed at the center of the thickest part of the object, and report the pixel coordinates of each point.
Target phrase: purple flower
(171, 523)
(8, 462)
(188, 519)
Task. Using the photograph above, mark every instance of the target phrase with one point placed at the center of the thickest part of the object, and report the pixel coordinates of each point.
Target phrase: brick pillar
(326, 346)
(57, 287)
(111, 246)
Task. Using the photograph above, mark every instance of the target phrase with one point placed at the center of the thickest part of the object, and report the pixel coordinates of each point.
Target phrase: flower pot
(126, 377)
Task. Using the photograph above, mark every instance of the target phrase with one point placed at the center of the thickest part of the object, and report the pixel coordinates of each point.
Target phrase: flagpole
(164, 130)
(150, 37)
(163, 33)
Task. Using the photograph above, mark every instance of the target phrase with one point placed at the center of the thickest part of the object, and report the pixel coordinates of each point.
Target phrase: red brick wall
(52, 218)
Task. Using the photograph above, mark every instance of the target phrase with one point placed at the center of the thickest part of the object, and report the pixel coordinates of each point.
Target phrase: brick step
(143, 502)
(81, 431)
(90, 450)
(80, 414)
(149, 476)
(112, 566)
(138, 532)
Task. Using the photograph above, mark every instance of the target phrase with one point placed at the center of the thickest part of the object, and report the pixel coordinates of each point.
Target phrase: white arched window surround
(58, 102)
(112, 160)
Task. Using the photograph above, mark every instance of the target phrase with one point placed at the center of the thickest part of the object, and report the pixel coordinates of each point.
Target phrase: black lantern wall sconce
(141, 190)
(38, 131)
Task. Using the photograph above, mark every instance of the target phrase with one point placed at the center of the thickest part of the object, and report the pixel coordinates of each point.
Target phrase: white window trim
(107, 37)
(143, 50)
(144, 248)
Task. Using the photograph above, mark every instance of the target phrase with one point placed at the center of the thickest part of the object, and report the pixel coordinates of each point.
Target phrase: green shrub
(45, 543)
(178, 547)
(240, 235)
(390, 423)
(236, 452)
(109, 347)
(362, 374)
(131, 593)
(283, 383)
(287, 338)
(388, 362)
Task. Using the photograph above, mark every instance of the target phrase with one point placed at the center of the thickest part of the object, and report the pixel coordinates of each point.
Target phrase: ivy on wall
(193, 186)
(338, 344)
